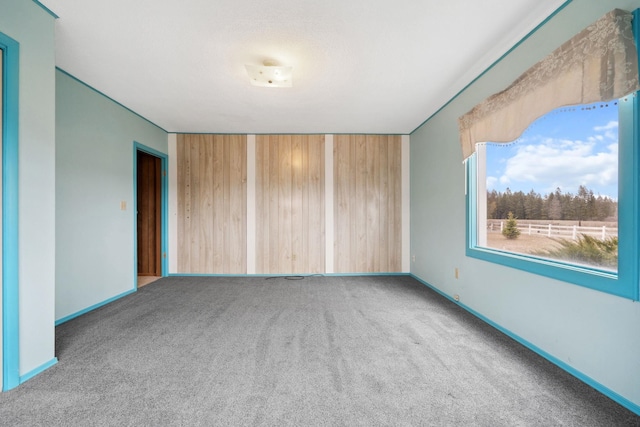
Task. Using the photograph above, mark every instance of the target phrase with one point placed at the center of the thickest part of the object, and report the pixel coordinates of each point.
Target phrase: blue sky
(565, 148)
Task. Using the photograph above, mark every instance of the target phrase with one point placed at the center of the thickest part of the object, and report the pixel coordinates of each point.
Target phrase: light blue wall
(33, 29)
(94, 173)
(592, 332)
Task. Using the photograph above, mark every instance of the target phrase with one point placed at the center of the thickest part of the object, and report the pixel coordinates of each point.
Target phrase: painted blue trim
(164, 214)
(633, 407)
(628, 195)
(38, 370)
(285, 274)
(149, 150)
(471, 200)
(631, 174)
(227, 275)
(93, 307)
(365, 274)
(46, 9)
(497, 61)
(10, 214)
(109, 98)
(289, 133)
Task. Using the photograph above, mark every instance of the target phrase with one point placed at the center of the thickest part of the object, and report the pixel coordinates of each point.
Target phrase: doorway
(149, 217)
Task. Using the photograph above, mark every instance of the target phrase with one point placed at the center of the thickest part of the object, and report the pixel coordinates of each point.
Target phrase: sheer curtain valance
(598, 64)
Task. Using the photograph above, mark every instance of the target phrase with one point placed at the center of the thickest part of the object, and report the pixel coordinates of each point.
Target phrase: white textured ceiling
(358, 66)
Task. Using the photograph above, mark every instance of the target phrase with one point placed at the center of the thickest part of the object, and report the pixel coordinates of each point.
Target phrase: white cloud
(609, 126)
(550, 163)
(491, 182)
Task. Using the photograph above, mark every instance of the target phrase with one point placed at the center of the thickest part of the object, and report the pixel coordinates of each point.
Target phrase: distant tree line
(583, 206)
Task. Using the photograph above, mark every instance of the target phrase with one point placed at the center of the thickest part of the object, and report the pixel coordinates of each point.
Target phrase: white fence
(555, 230)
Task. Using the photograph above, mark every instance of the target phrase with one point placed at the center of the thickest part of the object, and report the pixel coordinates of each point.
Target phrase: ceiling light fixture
(270, 75)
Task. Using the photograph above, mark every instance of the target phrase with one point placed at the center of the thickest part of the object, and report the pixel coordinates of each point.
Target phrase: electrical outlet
(123, 205)
(456, 272)
(413, 258)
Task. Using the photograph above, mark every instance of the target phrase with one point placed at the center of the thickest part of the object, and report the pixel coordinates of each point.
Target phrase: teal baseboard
(214, 275)
(93, 307)
(38, 370)
(633, 407)
(286, 274)
(365, 274)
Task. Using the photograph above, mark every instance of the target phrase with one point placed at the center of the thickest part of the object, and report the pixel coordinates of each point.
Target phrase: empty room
(222, 212)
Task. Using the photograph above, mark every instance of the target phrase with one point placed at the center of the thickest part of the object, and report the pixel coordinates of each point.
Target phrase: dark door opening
(149, 215)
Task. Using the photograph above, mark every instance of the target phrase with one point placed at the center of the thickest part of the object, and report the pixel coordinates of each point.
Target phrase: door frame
(164, 208)
(10, 214)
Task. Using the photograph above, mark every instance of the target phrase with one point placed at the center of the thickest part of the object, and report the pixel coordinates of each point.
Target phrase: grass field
(581, 249)
(524, 244)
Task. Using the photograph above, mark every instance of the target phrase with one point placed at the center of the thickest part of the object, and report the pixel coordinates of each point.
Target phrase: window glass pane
(559, 184)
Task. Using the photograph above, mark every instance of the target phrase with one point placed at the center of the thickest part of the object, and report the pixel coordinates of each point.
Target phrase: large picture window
(553, 193)
(553, 176)
(570, 183)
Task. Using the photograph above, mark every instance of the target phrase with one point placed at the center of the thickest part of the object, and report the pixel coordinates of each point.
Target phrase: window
(597, 67)
(553, 193)
(570, 183)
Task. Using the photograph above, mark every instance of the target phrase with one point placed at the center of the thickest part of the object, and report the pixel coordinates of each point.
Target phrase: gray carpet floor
(323, 351)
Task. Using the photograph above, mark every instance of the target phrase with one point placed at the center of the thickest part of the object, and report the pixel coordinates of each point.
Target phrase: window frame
(625, 282)
(10, 212)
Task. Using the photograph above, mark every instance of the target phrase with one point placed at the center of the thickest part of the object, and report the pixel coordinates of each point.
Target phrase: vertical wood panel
(373, 204)
(225, 232)
(237, 205)
(206, 206)
(367, 205)
(285, 174)
(242, 195)
(297, 189)
(383, 166)
(359, 248)
(183, 167)
(395, 203)
(290, 204)
(211, 203)
(273, 247)
(315, 217)
(218, 201)
(195, 225)
(262, 203)
(314, 189)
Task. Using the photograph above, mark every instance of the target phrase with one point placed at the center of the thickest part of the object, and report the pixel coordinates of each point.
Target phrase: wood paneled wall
(212, 203)
(288, 203)
(367, 203)
(290, 220)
